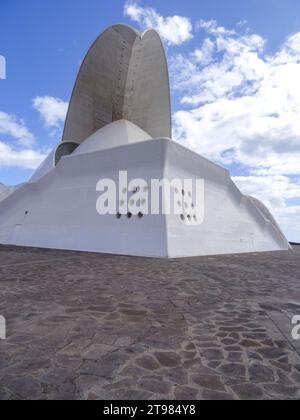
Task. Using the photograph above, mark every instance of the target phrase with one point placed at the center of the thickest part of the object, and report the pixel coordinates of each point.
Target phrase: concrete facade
(119, 120)
(124, 76)
(5, 191)
(59, 209)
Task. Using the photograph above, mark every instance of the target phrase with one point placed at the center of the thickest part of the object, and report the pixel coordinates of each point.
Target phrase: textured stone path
(88, 326)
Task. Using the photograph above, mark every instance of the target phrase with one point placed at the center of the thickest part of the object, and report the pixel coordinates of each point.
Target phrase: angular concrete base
(59, 210)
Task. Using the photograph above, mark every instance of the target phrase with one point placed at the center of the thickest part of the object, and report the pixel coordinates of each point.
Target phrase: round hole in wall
(182, 217)
(140, 215)
(183, 192)
(129, 215)
(119, 215)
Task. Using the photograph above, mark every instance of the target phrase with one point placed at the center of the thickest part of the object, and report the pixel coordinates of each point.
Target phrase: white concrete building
(119, 119)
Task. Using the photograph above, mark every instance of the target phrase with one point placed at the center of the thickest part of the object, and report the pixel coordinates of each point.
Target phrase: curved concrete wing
(269, 217)
(119, 133)
(147, 98)
(124, 76)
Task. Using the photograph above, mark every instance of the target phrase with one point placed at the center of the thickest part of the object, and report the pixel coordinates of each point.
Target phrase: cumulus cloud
(205, 55)
(241, 106)
(212, 27)
(175, 30)
(274, 191)
(18, 148)
(19, 158)
(52, 110)
(15, 128)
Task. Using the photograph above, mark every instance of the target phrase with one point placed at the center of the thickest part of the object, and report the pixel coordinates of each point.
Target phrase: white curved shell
(267, 215)
(124, 76)
(119, 133)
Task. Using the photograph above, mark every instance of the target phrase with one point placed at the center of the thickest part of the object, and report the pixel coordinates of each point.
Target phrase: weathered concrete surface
(124, 75)
(88, 326)
(59, 210)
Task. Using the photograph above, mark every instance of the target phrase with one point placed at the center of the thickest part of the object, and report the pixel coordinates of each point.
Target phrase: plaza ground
(90, 326)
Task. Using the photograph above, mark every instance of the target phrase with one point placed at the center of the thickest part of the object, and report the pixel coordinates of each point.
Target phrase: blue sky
(232, 64)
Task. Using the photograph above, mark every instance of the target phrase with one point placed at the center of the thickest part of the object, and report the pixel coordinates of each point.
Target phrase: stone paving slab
(90, 326)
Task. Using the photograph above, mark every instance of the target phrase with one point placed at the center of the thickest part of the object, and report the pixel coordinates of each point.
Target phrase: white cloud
(17, 145)
(212, 28)
(175, 30)
(275, 192)
(19, 158)
(272, 190)
(15, 128)
(235, 67)
(205, 54)
(244, 106)
(241, 106)
(18, 148)
(52, 110)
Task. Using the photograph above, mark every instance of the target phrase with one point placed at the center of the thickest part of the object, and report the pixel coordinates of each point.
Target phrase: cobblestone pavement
(88, 326)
